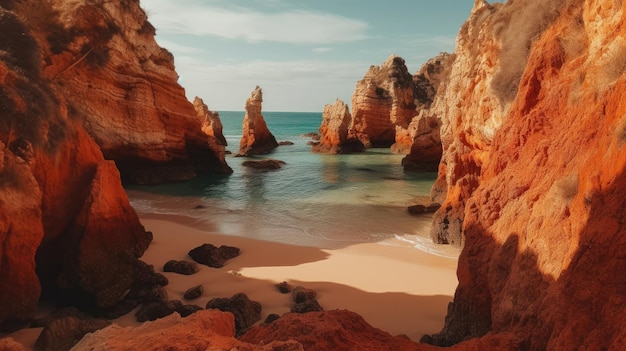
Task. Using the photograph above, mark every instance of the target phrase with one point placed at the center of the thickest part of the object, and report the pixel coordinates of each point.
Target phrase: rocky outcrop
(204, 330)
(421, 140)
(211, 123)
(333, 131)
(382, 100)
(535, 165)
(256, 138)
(330, 330)
(102, 57)
(63, 209)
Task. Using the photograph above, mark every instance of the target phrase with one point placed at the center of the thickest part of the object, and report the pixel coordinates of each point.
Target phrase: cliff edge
(532, 175)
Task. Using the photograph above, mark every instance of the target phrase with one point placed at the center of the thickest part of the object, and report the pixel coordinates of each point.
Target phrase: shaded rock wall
(63, 207)
(535, 165)
(256, 137)
(102, 56)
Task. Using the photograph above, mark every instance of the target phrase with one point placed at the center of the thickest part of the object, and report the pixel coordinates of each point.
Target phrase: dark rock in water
(193, 293)
(199, 207)
(213, 256)
(284, 287)
(181, 267)
(266, 164)
(63, 333)
(285, 143)
(310, 305)
(420, 209)
(154, 310)
(246, 311)
(270, 318)
(301, 294)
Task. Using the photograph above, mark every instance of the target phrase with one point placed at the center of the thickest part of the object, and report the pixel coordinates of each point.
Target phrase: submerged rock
(267, 164)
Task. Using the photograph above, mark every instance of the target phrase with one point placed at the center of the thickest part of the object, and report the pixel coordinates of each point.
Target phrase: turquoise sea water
(326, 201)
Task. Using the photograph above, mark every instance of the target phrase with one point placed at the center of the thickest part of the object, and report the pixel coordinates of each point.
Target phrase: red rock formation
(103, 58)
(540, 186)
(63, 208)
(329, 330)
(203, 330)
(256, 138)
(334, 131)
(211, 123)
(383, 99)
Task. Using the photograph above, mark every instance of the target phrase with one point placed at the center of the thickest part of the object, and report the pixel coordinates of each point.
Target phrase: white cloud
(290, 26)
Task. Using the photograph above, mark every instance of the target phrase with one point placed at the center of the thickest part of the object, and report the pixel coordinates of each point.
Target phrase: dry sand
(399, 289)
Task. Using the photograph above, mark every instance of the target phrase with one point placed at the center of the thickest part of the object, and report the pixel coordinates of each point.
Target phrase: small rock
(181, 267)
(285, 143)
(193, 293)
(284, 287)
(310, 305)
(420, 209)
(186, 310)
(64, 332)
(301, 294)
(212, 256)
(270, 318)
(246, 311)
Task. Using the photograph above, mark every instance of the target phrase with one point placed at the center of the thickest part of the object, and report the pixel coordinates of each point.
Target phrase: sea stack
(383, 99)
(256, 138)
(336, 120)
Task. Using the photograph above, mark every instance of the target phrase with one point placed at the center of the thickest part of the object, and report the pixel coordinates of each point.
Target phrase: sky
(304, 54)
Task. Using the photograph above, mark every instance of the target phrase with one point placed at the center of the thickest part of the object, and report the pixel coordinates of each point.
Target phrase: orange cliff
(256, 137)
(66, 225)
(534, 121)
(102, 56)
(334, 131)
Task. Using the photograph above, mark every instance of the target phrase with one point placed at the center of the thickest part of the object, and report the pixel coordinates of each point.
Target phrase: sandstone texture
(535, 166)
(256, 137)
(203, 330)
(382, 100)
(333, 131)
(102, 57)
(62, 206)
(211, 123)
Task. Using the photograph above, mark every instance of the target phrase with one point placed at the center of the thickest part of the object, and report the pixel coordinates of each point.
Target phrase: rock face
(333, 131)
(535, 165)
(103, 58)
(204, 330)
(211, 123)
(383, 99)
(256, 138)
(62, 206)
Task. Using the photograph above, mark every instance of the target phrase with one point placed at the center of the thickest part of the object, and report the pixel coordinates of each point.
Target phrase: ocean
(319, 200)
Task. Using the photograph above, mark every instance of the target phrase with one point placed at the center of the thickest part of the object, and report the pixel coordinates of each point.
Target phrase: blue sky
(303, 53)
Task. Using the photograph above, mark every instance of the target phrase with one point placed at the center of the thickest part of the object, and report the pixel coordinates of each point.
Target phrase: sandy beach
(399, 289)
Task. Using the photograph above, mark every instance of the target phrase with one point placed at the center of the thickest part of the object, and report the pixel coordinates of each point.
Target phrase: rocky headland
(256, 138)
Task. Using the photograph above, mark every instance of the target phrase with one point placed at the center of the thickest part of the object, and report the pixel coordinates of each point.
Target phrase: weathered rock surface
(213, 256)
(383, 99)
(330, 330)
(63, 209)
(211, 122)
(204, 330)
(256, 137)
(246, 311)
(333, 131)
(535, 164)
(102, 57)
